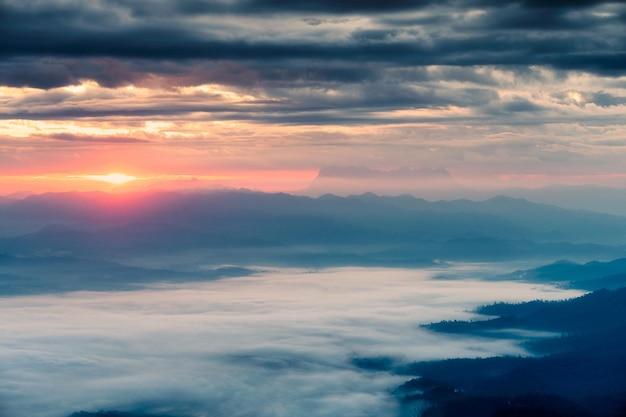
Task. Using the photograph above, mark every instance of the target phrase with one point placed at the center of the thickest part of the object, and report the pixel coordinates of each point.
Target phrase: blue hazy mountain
(53, 274)
(250, 227)
(588, 276)
(431, 183)
(586, 197)
(438, 183)
(5, 200)
(98, 241)
(115, 414)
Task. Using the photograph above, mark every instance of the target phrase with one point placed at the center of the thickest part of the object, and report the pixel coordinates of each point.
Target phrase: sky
(264, 93)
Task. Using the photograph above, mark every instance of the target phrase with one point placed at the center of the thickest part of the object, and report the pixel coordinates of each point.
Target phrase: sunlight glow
(113, 178)
(81, 88)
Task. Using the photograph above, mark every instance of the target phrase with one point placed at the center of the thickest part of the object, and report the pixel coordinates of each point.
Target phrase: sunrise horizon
(298, 182)
(313, 208)
(375, 90)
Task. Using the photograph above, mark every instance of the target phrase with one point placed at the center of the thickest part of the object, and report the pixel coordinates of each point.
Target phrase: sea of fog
(279, 343)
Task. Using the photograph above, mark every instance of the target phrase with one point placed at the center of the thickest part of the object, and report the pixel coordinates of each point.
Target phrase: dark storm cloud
(560, 4)
(22, 72)
(351, 57)
(342, 6)
(520, 105)
(49, 73)
(57, 72)
(142, 8)
(369, 46)
(603, 99)
(598, 56)
(549, 19)
(162, 31)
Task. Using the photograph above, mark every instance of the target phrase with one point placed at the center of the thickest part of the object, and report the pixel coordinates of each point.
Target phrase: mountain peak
(434, 183)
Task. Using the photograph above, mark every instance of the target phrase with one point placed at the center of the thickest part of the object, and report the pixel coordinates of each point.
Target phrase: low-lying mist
(281, 343)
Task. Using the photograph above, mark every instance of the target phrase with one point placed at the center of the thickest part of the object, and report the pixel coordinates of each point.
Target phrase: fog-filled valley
(270, 208)
(239, 303)
(278, 343)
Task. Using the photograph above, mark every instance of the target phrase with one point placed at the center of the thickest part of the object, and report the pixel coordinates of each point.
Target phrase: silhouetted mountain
(5, 200)
(583, 197)
(438, 183)
(594, 312)
(589, 276)
(367, 229)
(584, 373)
(434, 183)
(49, 274)
(86, 241)
(610, 282)
(115, 414)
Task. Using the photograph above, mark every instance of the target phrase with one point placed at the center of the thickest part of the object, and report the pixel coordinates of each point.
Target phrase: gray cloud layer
(139, 37)
(467, 72)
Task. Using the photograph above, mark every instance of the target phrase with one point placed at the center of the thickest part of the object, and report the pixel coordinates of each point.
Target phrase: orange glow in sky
(263, 101)
(118, 182)
(113, 178)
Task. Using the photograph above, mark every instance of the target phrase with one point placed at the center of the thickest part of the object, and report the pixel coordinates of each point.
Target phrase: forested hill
(582, 371)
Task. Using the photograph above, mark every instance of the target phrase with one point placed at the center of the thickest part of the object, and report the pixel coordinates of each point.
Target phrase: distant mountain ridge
(597, 198)
(52, 274)
(439, 184)
(280, 228)
(592, 275)
(434, 183)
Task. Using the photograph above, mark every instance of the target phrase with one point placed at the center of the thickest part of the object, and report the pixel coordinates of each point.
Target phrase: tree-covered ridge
(583, 372)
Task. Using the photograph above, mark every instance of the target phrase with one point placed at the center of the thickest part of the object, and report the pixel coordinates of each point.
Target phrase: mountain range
(243, 227)
(593, 275)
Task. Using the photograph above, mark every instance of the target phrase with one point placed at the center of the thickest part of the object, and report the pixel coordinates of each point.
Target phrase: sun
(112, 178)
